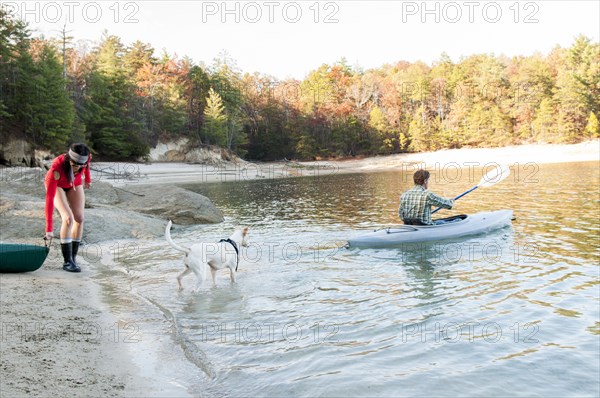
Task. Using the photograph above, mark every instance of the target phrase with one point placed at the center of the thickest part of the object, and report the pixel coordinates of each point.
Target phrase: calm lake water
(512, 313)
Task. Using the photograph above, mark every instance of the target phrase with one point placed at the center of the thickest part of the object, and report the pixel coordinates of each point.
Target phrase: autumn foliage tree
(123, 99)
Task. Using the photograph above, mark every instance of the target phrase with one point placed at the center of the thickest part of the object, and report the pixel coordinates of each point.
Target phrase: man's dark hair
(420, 176)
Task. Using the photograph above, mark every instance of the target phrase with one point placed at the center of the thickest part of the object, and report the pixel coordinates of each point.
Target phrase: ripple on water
(514, 312)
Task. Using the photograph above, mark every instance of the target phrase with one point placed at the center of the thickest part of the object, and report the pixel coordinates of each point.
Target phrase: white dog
(214, 256)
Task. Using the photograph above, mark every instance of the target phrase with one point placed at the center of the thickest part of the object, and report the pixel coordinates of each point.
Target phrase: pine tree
(545, 122)
(52, 111)
(197, 83)
(592, 129)
(14, 43)
(385, 138)
(109, 111)
(215, 121)
(41, 103)
(578, 90)
(419, 132)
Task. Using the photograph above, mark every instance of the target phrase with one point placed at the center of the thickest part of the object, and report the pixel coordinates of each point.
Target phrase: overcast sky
(291, 38)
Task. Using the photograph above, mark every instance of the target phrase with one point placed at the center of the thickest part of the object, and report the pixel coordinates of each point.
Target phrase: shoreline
(58, 339)
(51, 344)
(159, 173)
(63, 335)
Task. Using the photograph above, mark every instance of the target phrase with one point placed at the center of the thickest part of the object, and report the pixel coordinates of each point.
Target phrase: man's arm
(438, 201)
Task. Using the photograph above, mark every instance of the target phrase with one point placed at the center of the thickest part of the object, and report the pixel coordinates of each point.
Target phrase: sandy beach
(57, 332)
(55, 339)
(122, 174)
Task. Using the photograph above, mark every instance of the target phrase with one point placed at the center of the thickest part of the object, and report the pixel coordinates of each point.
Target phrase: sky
(289, 39)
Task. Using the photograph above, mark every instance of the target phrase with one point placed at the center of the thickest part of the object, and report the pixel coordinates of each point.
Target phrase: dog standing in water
(201, 257)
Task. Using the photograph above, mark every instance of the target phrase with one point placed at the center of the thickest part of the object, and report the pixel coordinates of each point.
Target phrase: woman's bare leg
(61, 203)
(76, 198)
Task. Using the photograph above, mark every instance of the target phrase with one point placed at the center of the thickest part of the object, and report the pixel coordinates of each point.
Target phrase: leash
(237, 251)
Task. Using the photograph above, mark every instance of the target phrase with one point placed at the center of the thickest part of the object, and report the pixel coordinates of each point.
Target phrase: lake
(515, 312)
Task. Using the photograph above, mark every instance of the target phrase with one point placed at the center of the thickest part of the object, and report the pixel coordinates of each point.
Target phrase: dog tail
(170, 241)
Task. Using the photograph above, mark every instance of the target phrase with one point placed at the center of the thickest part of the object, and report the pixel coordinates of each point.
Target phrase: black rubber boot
(75, 250)
(67, 252)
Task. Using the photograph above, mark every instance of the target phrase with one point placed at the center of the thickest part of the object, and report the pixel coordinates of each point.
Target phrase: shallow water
(515, 312)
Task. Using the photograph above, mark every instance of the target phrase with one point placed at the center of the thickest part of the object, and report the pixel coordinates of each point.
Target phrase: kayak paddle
(489, 179)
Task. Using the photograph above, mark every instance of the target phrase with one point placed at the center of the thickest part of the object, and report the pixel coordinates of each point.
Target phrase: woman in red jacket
(64, 191)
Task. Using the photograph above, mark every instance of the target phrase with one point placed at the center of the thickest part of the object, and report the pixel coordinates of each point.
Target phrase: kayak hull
(17, 257)
(475, 224)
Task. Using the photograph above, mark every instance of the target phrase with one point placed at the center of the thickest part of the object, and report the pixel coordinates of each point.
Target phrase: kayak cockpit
(438, 223)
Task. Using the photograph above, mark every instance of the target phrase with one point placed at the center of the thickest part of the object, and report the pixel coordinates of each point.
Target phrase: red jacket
(56, 178)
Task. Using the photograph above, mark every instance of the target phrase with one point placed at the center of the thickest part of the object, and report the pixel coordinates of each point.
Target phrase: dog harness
(237, 252)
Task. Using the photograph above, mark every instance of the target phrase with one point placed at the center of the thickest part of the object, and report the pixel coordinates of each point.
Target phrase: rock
(205, 156)
(174, 156)
(167, 150)
(181, 151)
(22, 220)
(27, 181)
(42, 157)
(101, 193)
(132, 212)
(16, 152)
(182, 206)
(108, 223)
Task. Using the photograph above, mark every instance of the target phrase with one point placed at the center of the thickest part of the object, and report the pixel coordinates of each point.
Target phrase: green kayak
(18, 257)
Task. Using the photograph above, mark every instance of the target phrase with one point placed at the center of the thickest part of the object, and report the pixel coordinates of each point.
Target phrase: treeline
(122, 99)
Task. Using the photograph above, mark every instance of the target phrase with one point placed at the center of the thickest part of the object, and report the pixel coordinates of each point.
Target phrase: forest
(123, 98)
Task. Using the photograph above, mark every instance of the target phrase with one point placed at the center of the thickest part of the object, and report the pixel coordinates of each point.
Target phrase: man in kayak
(64, 191)
(415, 204)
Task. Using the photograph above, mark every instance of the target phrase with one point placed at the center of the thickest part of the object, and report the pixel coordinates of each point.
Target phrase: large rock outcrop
(169, 202)
(18, 152)
(181, 151)
(111, 213)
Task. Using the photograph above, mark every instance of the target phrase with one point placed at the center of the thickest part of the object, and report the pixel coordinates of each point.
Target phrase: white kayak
(454, 227)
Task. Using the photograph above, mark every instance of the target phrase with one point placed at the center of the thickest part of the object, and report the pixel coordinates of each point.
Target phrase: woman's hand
(87, 185)
(49, 236)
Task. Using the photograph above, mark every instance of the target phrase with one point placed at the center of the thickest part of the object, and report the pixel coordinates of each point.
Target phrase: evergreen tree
(197, 84)
(419, 132)
(14, 43)
(109, 111)
(227, 83)
(377, 121)
(46, 109)
(121, 99)
(578, 90)
(592, 128)
(545, 122)
(215, 121)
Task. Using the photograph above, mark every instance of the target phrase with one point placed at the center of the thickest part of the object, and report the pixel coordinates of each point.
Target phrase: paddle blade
(494, 176)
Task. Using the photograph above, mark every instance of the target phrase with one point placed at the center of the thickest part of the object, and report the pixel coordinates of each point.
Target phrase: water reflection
(523, 300)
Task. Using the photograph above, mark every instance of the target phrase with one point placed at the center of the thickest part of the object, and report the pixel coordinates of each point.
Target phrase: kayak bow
(17, 257)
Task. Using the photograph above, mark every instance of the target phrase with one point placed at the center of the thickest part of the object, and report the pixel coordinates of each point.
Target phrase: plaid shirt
(416, 204)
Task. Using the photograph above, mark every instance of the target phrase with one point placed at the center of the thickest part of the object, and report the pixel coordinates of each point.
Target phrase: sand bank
(59, 340)
(122, 174)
